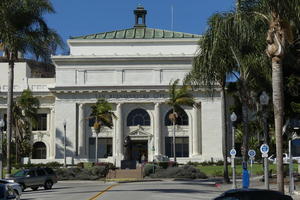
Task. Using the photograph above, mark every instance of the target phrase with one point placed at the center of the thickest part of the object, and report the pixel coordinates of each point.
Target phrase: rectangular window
(41, 124)
(181, 146)
(104, 147)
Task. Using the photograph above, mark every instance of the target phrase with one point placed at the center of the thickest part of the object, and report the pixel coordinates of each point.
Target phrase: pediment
(139, 132)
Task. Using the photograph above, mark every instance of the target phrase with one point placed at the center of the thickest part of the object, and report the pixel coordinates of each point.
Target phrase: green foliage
(53, 165)
(24, 117)
(92, 173)
(187, 171)
(102, 115)
(150, 168)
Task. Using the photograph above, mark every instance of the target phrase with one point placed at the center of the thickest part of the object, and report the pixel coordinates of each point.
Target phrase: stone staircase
(125, 174)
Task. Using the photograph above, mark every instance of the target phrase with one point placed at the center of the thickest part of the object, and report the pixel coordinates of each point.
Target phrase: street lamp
(264, 101)
(65, 135)
(2, 124)
(233, 118)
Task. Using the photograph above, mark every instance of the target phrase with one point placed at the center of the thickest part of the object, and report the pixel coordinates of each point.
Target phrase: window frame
(136, 114)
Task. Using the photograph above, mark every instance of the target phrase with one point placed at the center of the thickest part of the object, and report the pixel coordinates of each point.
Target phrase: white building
(132, 69)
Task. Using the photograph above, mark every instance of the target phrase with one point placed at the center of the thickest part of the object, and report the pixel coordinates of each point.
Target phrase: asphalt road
(92, 190)
(67, 190)
(162, 190)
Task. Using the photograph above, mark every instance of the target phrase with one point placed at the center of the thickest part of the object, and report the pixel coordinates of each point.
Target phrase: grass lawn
(257, 169)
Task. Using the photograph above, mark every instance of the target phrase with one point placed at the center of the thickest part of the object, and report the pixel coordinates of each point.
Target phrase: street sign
(264, 155)
(232, 152)
(264, 149)
(251, 153)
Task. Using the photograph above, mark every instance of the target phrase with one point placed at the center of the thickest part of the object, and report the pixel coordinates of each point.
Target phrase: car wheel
(22, 187)
(35, 188)
(17, 195)
(48, 185)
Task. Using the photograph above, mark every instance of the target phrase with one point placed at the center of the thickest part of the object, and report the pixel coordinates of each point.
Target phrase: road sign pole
(264, 149)
(266, 172)
(233, 173)
(291, 190)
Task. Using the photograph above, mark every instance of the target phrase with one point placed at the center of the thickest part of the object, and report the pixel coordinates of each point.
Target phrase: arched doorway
(39, 150)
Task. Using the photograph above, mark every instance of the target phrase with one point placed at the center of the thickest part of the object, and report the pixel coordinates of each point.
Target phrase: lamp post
(233, 118)
(264, 101)
(65, 135)
(2, 124)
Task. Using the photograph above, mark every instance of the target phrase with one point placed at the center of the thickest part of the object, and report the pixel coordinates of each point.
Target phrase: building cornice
(122, 58)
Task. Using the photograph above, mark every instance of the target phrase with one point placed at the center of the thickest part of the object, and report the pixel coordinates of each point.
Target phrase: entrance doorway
(139, 148)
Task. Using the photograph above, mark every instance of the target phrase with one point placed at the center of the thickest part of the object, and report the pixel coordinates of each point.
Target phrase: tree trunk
(277, 85)
(96, 150)
(174, 142)
(9, 111)
(224, 135)
(245, 131)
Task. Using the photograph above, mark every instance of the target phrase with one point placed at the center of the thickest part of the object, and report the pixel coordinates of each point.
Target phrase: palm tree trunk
(224, 135)
(9, 111)
(277, 85)
(96, 150)
(174, 142)
(245, 130)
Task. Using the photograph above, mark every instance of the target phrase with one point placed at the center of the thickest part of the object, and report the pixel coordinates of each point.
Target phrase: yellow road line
(102, 192)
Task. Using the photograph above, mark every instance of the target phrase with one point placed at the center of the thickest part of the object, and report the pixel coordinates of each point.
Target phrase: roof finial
(140, 16)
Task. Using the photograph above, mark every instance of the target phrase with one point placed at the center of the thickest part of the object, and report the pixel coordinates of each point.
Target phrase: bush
(107, 165)
(187, 171)
(148, 169)
(88, 165)
(53, 165)
(165, 165)
(76, 173)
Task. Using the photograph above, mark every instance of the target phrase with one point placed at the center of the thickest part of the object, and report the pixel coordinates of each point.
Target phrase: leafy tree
(24, 117)
(102, 115)
(178, 96)
(24, 30)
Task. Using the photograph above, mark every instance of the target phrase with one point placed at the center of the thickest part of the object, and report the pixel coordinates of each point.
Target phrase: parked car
(286, 157)
(35, 178)
(252, 194)
(6, 192)
(15, 186)
(272, 158)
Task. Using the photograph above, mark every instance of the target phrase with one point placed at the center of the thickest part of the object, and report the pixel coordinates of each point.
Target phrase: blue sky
(82, 17)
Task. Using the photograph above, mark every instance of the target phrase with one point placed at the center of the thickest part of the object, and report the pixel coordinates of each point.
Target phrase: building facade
(132, 69)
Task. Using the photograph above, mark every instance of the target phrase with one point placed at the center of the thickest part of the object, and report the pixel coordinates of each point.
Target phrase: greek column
(196, 133)
(119, 135)
(157, 129)
(81, 142)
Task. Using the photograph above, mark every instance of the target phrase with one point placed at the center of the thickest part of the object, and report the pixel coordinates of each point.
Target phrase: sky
(83, 17)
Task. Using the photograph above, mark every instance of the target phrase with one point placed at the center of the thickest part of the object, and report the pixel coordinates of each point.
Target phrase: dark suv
(35, 178)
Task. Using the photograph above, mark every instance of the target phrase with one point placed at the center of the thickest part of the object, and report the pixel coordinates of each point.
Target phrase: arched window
(138, 117)
(182, 119)
(39, 151)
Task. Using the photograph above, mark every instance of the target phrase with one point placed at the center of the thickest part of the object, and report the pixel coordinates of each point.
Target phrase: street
(152, 190)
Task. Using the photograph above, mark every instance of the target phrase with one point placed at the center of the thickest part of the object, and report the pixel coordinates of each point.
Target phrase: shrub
(80, 165)
(165, 165)
(53, 165)
(107, 165)
(148, 169)
(187, 171)
(76, 173)
(87, 165)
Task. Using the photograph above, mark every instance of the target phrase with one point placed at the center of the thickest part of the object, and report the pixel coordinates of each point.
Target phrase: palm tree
(102, 116)
(178, 96)
(24, 30)
(24, 116)
(229, 47)
(283, 19)
(210, 67)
